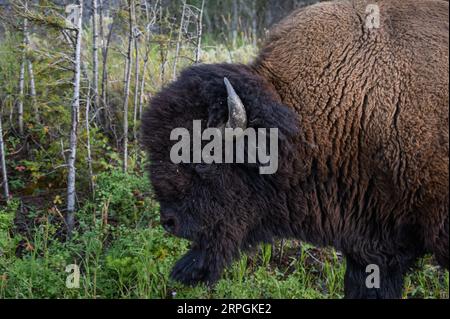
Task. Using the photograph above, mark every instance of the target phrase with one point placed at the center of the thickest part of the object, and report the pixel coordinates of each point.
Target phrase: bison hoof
(192, 269)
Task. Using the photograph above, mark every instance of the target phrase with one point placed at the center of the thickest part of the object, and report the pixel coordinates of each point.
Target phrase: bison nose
(169, 225)
(169, 222)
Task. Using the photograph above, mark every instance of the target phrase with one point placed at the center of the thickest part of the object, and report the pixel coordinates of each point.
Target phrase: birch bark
(178, 46)
(3, 163)
(22, 80)
(127, 85)
(136, 84)
(31, 77)
(198, 49)
(73, 139)
(95, 55)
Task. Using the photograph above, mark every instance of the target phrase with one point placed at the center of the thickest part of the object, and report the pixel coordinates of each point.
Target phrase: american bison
(361, 105)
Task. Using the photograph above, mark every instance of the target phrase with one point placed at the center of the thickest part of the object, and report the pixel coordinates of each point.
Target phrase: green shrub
(122, 196)
(7, 241)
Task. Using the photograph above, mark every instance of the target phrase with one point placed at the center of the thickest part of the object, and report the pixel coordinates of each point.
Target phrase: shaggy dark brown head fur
(222, 208)
(363, 160)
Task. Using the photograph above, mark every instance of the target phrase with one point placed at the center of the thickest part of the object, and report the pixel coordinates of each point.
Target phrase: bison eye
(204, 170)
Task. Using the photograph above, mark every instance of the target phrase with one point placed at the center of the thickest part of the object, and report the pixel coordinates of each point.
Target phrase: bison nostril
(169, 224)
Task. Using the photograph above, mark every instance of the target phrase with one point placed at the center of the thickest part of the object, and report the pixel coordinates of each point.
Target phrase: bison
(361, 105)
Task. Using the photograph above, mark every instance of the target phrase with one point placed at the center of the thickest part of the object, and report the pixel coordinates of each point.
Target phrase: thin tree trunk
(22, 79)
(88, 141)
(208, 22)
(31, 78)
(3, 163)
(142, 86)
(33, 92)
(95, 56)
(100, 23)
(234, 22)
(180, 37)
(198, 50)
(162, 49)
(254, 24)
(141, 97)
(127, 86)
(163, 58)
(147, 11)
(144, 67)
(136, 84)
(105, 50)
(70, 215)
(87, 124)
(103, 45)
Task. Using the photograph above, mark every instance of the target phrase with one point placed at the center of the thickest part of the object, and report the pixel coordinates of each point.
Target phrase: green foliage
(7, 242)
(9, 64)
(123, 195)
(266, 254)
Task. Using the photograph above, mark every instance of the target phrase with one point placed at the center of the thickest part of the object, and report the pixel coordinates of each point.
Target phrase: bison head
(220, 208)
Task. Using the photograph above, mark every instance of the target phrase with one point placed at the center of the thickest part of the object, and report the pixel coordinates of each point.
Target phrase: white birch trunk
(142, 88)
(88, 129)
(254, 23)
(70, 215)
(162, 49)
(198, 49)
(104, 82)
(3, 163)
(127, 87)
(103, 47)
(136, 85)
(178, 46)
(31, 78)
(33, 91)
(234, 22)
(88, 142)
(22, 79)
(95, 55)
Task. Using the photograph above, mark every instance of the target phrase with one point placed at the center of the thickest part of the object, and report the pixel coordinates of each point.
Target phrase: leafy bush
(123, 196)
(7, 241)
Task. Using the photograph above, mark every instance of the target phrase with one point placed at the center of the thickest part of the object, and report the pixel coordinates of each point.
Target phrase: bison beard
(363, 145)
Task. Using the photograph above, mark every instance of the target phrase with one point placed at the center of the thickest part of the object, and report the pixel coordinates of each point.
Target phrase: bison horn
(237, 116)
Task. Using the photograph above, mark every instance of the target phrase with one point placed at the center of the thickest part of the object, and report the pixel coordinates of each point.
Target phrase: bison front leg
(361, 282)
(192, 268)
(206, 260)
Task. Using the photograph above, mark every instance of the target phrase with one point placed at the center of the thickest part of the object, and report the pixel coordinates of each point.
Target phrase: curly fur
(363, 155)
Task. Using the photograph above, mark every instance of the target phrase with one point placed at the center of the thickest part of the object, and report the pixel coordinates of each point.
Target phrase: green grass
(122, 252)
